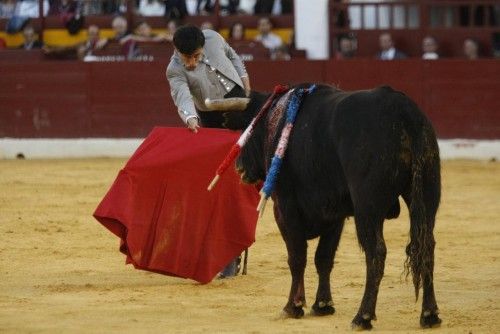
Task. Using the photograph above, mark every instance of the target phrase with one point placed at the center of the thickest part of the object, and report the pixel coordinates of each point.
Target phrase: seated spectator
(69, 11)
(346, 47)
(114, 6)
(269, 39)
(207, 25)
(93, 7)
(387, 49)
(281, 53)
(7, 8)
(151, 8)
(94, 42)
(205, 7)
(62, 7)
(172, 26)
(236, 33)
(120, 28)
(81, 50)
(144, 33)
(229, 7)
(274, 7)
(30, 39)
(176, 9)
(30, 8)
(120, 7)
(429, 48)
(471, 48)
(246, 7)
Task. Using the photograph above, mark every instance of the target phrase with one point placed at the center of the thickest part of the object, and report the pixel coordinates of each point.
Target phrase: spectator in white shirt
(269, 39)
(429, 48)
(151, 8)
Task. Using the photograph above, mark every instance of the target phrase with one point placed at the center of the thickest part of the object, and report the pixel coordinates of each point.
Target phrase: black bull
(350, 154)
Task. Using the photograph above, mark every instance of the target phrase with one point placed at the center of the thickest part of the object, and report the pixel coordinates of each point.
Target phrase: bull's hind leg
(369, 229)
(296, 245)
(325, 254)
(425, 245)
(297, 254)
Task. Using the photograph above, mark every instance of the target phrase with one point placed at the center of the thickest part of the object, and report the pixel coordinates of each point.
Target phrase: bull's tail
(420, 249)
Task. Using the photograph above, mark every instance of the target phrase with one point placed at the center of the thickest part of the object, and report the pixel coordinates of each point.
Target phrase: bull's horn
(229, 104)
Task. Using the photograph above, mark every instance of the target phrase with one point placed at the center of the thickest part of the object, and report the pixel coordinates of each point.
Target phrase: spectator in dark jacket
(30, 39)
(275, 7)
(387, 49)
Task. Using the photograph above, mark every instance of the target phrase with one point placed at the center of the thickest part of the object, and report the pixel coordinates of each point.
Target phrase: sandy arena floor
(61, 271)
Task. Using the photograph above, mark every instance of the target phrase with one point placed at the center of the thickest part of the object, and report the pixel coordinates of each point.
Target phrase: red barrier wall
(127, 99)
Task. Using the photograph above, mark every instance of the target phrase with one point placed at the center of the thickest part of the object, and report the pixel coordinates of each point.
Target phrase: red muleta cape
(161, 210)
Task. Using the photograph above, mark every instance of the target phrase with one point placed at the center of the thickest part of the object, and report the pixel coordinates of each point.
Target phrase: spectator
(175, 9)
(30, 8)
(246, 7)
(274, 7)
(206, 25)
(429, 48)
(81, 50)
(121, 6)
(93, 7)
(471, 48)
(387, 49)
(69, 11)
(114, 6)
(205, 7)
(62, 7)
(229, 7)
(30, 39)
(120, 28)
(144, 33)
(281, 53)
(346, 47)
(172, 26)
(7, 8)
(236, 33)
(151, 8)
(94, 42)
(266, 36)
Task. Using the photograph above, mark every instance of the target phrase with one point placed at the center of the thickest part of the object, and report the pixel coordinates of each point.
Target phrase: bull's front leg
(296, 244)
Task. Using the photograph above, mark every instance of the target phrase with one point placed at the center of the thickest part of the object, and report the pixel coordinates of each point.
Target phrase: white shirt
(270, 41)
(389, 54)
(154, 8)
(430, 56)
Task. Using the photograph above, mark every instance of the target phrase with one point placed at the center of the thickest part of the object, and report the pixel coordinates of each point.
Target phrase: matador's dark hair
(188, 38)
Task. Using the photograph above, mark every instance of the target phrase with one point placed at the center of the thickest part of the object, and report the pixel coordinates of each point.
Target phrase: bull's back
(382, 129)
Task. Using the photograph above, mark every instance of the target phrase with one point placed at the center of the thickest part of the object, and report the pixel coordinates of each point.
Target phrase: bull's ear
(229, 104)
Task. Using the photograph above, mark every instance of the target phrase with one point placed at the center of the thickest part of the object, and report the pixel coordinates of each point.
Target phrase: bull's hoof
(430, 319)
(323, 308)
(291, 311)
(362, 322)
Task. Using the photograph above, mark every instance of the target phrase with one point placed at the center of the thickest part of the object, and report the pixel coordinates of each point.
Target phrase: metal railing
(363, 15)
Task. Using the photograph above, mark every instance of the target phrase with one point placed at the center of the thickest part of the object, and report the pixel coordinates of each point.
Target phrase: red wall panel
(127, 99)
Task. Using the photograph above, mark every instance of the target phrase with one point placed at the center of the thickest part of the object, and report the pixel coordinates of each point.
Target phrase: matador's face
(190, 61)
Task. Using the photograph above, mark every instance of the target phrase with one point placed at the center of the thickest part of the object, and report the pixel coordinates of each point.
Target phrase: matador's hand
(193, 124)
